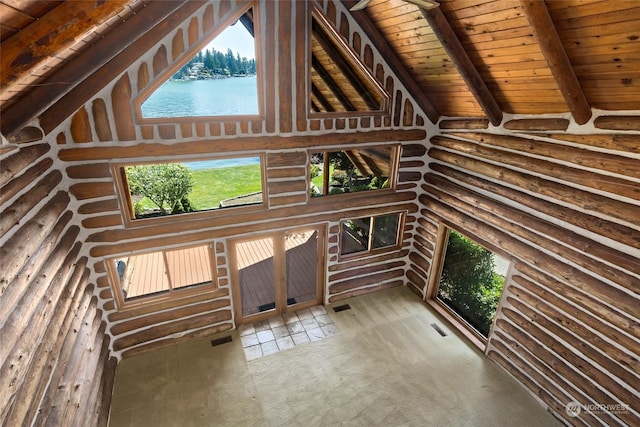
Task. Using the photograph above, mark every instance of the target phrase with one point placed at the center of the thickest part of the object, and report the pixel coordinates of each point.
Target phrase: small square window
(368, 234)
(352, 171)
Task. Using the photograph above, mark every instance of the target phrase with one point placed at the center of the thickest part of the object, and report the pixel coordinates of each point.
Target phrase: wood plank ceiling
(467, 58)
(39, 37)
(601, 40)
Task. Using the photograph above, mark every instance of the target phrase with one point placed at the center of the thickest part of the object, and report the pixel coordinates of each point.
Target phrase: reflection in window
(340, 82)
(351, 171)
(471, 282)
(173, 188)
(363, 235)
(162, 272)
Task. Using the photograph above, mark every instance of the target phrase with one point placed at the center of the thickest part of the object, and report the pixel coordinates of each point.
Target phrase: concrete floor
(386, 366)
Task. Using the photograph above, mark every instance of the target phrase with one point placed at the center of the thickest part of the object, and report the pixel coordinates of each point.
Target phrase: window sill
(192, 216)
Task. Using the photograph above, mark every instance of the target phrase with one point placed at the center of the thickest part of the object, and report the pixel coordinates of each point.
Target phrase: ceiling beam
(75, 71)
(392, 60)
(553, 50)
(47, 36)
(449, 40)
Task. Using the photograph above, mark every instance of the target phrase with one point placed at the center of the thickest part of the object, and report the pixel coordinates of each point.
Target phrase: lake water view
(222, 163)
(216, 97)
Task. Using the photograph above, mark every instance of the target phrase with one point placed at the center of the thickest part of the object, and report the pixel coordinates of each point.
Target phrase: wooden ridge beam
(549, 41)
(390, 57)
(90, 61)
(463, 63)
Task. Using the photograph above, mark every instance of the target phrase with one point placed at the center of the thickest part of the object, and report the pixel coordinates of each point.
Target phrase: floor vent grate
(342, 307)
(439, 330)
(222, 340)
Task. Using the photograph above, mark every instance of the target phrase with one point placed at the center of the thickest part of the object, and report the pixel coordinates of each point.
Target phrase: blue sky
(236, 38)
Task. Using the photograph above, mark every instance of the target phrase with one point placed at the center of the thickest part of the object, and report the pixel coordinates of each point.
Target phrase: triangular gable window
(220, 80)
(340, 83)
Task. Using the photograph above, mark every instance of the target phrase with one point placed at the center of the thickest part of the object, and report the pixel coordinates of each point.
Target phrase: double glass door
(278, 272)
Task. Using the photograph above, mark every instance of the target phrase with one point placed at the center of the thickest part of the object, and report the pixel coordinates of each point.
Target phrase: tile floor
(386, 367)
(284, 332)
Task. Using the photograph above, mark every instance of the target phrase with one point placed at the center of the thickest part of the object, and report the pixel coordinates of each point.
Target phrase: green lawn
(213, 185)
(319, 180)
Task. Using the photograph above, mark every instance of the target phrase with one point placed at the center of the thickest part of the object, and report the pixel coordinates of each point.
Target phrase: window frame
(394, 164)
(126, 204)
(431, 296)
(338, 40)
(161, 78)
(372, 251)
(170, 294)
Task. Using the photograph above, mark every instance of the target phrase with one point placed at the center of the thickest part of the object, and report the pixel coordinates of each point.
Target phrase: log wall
(108, 127)
(564, 207)
(558, 199)
(55, 350)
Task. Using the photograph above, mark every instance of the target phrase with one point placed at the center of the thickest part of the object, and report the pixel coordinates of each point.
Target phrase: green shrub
(468, 283)
(163, 184)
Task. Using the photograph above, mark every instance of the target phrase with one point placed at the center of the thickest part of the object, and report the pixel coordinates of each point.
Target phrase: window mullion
(166, 270)
(370, 244)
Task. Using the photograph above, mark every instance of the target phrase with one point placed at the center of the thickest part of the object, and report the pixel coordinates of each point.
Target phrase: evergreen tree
(230, 62)
(208, 60)
(219, 63)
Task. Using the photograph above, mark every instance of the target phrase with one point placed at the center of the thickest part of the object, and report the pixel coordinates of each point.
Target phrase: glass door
(256, 275)
(278, 272)
(301, 261)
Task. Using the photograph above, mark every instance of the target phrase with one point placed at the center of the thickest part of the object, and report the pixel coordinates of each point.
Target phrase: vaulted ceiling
(465, 58)
(476, 57)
